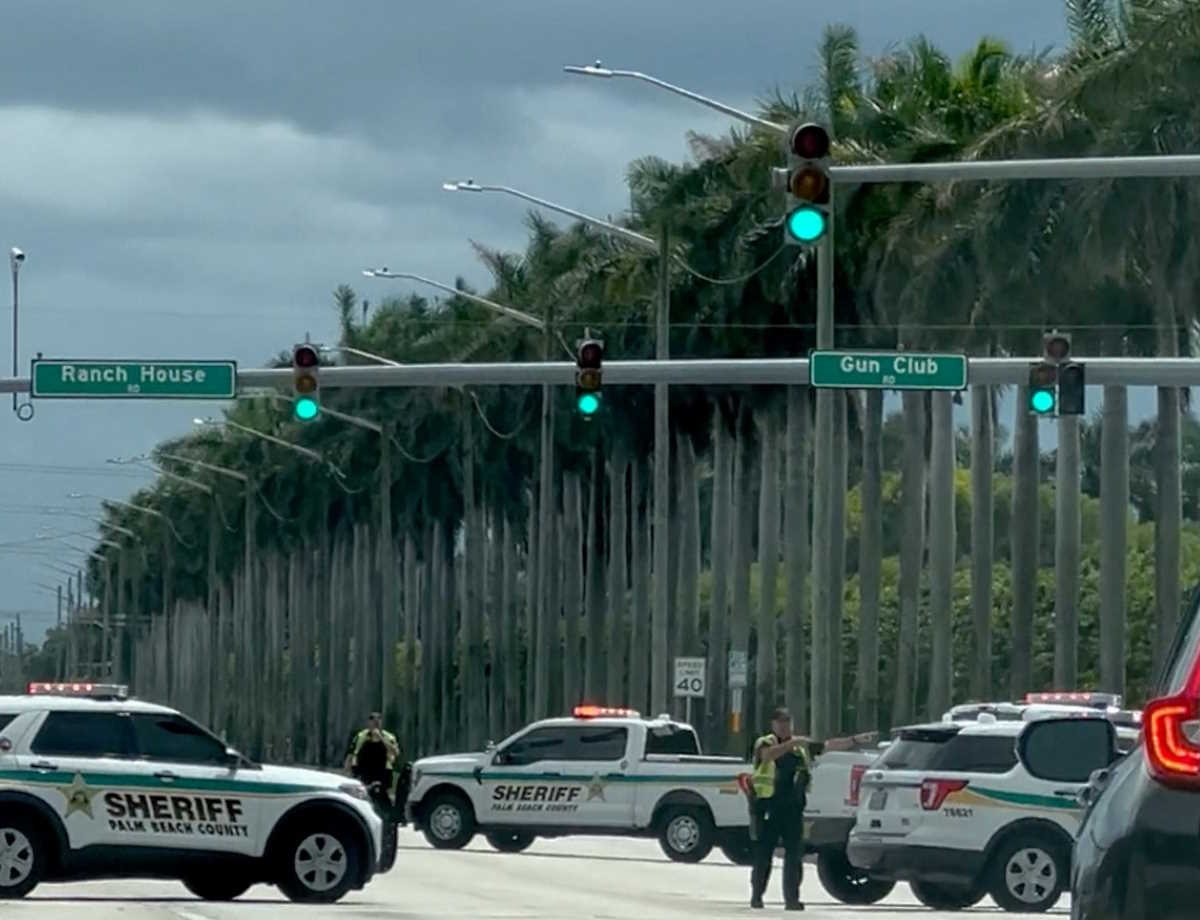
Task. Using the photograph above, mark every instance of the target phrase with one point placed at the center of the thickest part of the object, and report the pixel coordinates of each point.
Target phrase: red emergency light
(90, 690)
(603, 712)
(1078, 697)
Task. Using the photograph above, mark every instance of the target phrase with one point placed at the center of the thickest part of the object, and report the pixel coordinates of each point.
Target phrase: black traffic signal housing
(1071, 384)
(808, 186)
(306, 382)
(589, 360)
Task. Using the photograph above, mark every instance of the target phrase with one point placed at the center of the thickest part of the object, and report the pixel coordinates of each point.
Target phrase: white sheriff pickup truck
(607, 771)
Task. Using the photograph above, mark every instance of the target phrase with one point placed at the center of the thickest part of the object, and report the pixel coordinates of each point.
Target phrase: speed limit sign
(689, 677)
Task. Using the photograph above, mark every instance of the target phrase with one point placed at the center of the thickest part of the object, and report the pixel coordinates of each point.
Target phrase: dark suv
(1137, 855)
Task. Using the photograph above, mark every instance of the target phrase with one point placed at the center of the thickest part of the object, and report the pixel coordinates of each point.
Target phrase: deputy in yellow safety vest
(782, 769)
(373, 755)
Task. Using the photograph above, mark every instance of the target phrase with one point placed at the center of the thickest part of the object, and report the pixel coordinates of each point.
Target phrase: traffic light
(306, 385)
(1043, 380)
(808, 185)
(1070, 388)
(588, 360)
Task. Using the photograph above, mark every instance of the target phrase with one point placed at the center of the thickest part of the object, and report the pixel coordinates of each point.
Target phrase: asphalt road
(574, 879)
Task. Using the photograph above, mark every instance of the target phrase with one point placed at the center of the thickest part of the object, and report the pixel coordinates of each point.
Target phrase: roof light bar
(603, 712)
(1079, 697)
(78, 688)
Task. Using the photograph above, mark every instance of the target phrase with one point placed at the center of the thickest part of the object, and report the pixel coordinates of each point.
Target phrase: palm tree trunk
(532, 581)
(617, 571)
(796, 551)
(718, 614)
(594, 674)
(689, 547)
(494, 601)
(870, 564)
(822, 551)
(639, 641)
(1024, 540)
(942, 542)
(510, 632)
(412, 608)
(1114, 517)
(743, 538)
(471, 680)
(572, 536)
(837, 555)
(547, 631)
(429, 582)
(912, 485)
(768, 563)
(983, 441)
(1067, 538)
(1168, 514)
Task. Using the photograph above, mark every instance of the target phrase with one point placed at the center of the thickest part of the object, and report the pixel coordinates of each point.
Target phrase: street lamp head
(15, 258)
(469, 186)
(589, 70)
(205, 421)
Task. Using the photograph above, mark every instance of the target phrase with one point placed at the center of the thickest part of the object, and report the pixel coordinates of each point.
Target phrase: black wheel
(23, 856)
(848, 884)
(320, 862)
(739, 850)
(1028, 873)
(945, 897)
(510, 841)
(686, 833)
(387, 858)
(217, 887)
(450, 822)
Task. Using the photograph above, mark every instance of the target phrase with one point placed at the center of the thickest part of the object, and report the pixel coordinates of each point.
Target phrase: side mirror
(231, 758)
(1067, 750)
(490, 746)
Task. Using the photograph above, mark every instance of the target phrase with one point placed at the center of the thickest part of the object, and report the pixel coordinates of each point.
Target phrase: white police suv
(96, 785)
(959, 809)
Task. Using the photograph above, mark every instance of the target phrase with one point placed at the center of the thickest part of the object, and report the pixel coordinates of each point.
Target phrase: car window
(1184, 651)
(978, 754)
(599, 743)
(5, 718)
(83, 734)
(1067, 750)
(672, 742)
(174, 738)
(915, 749)
(539, 744)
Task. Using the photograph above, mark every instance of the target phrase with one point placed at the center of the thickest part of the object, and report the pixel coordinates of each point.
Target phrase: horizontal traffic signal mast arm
(1158, 167)
(1173, 372)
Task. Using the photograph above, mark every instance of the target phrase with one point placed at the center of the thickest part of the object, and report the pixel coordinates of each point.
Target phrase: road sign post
(886, 370)
(690, 681)
(102, 378)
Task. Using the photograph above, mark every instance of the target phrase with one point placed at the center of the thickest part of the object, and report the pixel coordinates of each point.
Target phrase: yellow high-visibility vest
(763, 777)
(389, 741)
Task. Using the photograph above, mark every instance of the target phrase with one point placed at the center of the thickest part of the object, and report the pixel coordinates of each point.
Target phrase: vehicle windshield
(915, 749)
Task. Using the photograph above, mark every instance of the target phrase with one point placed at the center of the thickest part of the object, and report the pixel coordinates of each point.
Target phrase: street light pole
(662, 429)
(16, 258)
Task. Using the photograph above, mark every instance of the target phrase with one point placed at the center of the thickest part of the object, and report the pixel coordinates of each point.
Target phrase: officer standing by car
(374, 759)
(782, 769)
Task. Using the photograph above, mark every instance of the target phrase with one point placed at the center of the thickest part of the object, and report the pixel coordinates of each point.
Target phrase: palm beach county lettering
(205, 816)
(536, 798)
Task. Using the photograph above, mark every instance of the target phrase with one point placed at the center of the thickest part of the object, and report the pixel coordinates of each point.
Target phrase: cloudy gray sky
(192, 180)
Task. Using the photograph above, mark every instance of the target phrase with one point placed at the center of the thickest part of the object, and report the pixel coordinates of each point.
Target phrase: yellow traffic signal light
(306, 365)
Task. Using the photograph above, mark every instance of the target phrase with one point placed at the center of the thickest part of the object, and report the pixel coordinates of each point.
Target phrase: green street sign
(100, 378)
(886, 370)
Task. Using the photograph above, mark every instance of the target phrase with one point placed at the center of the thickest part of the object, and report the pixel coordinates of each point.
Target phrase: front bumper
(898, 860)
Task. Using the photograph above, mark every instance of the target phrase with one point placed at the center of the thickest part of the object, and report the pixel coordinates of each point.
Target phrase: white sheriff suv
(960, 809)
(96, 785)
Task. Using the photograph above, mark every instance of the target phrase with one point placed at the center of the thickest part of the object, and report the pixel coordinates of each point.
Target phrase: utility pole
(387, 632)
(662, 485)
(546, 518)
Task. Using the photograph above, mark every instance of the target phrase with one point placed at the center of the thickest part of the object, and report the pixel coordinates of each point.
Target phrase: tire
(510, 841)
(1028, 873)
(739, 850)
(217, 887)
(320, 861)
(391, 834)
(686, 833)
(449, 823)
(23, 856)
(848, 884)
(945, 897)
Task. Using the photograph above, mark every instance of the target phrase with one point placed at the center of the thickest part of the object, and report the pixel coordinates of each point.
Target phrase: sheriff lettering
(535, 797)
(155, 813)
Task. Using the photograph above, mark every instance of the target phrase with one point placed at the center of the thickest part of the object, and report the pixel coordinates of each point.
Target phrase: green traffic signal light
(806, 224)
(306, 409)
(1041, 401)
(588, 403)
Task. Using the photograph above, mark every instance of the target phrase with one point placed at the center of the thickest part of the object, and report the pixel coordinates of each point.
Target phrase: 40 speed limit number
(689, 677)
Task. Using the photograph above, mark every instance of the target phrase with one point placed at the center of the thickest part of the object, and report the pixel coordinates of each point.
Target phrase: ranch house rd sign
(60, 378)
(886, 370)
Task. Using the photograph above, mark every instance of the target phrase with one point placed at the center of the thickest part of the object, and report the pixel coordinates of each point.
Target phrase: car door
(598, 755)
(199, 799)
(80, 763)
(1060, 755)
(527, 782)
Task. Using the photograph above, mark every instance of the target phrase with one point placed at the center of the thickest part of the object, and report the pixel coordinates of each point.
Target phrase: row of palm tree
(981, 267)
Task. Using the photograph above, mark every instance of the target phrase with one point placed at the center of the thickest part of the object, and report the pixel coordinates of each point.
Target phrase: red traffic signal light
(810, 142)
(590, 354)
(305, 356)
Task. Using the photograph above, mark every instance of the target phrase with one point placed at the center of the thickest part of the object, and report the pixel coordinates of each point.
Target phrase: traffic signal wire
(490, 427)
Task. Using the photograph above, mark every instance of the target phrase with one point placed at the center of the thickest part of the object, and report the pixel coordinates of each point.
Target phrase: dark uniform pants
(778, 826)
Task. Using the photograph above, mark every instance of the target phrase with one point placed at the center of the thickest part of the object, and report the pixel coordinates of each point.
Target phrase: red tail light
(1171, 757)
(856, 775)
(934, 791)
